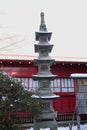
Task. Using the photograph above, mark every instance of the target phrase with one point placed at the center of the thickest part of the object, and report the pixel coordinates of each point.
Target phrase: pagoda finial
(42, 25)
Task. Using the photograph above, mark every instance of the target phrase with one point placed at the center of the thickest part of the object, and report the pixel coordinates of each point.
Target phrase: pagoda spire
(42, 25)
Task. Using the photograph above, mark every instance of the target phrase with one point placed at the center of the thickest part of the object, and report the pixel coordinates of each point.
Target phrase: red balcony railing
(29, 118)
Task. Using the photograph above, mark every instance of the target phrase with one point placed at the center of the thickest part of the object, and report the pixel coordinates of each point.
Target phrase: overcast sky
(66, 19)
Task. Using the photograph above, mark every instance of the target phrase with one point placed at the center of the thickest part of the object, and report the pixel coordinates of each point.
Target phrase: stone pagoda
(44, 77)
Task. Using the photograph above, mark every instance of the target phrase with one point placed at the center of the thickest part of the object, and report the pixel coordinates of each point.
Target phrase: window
(67, 85)
(57, 85)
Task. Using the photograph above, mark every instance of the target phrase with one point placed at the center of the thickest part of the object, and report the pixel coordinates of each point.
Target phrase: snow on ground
(82, 127)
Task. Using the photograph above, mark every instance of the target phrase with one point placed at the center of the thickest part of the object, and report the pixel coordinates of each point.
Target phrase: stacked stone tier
(42, 47)
(44, 77)
(42, 61)
(47, 115)
(46, 97)
(43, 34)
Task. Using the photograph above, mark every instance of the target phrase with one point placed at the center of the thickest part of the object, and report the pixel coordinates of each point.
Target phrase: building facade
(22, 68)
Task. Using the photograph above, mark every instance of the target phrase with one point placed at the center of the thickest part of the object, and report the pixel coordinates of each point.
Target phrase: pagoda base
(52, 124)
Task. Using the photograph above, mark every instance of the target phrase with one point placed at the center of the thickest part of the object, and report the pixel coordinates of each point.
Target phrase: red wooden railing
(22, 120)
(29, 118)
(65, 116)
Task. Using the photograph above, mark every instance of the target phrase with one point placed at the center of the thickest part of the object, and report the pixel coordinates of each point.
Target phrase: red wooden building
(22, 67)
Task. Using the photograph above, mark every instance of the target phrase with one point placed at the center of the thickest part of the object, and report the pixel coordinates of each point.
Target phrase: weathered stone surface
(44, 76)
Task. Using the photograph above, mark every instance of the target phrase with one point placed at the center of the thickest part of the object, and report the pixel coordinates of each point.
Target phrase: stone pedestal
(46, 124)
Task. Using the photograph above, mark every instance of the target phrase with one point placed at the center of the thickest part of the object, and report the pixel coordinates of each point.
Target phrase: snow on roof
(79, 75)
(31, 57)
(71, 59)
(16, 57)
